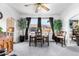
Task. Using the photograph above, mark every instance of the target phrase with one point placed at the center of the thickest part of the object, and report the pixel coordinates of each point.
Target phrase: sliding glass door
(45, 25)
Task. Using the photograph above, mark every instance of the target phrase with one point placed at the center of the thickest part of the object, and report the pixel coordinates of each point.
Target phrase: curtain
(52, 26)
(39, 24)
(26, 32)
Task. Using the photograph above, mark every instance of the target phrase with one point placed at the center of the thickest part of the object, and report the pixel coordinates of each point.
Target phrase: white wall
(8, 12)
(55, 16)
(70, 12)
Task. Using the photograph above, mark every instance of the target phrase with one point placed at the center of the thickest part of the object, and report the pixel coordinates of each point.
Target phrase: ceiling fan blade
(44, 7)
(28, 5)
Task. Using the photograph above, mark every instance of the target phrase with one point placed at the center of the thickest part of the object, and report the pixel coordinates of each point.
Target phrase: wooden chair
(32, 38)
(61, 38)
(38, 38)
(45, 38)
(73, 35)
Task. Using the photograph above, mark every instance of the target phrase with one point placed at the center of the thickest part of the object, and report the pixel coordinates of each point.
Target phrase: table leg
(35, 42)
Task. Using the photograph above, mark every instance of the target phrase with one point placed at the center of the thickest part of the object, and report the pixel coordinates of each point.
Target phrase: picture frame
(1, 15)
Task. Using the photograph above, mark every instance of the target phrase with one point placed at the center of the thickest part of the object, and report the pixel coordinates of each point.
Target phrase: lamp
(10, 29)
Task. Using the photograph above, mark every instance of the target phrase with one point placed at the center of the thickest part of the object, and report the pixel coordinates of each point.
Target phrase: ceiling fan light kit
(39, 5)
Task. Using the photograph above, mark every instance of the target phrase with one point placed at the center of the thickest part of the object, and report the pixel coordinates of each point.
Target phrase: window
(33, 24)
(46, 25)
(44, 22)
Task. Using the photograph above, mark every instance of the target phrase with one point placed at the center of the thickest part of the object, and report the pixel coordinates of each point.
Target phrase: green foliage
(57, 25)
(1, 30)
(22, 23)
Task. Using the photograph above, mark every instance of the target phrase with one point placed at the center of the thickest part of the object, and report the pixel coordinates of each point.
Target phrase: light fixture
(10, 29)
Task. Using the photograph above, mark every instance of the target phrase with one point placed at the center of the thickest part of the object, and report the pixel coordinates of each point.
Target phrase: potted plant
(1, 31)
(77, 34)
(22, 23)
(57, 25)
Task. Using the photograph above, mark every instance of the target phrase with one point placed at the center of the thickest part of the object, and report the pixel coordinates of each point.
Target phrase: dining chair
(73, 35)
(45, 38)
(31, 38)
(38, 38)
(61, 37)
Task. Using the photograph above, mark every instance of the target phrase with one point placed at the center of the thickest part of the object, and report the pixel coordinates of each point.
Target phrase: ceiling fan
(38, 5)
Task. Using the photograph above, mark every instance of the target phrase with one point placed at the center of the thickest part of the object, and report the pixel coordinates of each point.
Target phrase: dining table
(38, 37)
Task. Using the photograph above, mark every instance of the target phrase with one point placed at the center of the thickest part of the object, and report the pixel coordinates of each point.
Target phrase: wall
(68, 14)
(8, 12)
(55, 16)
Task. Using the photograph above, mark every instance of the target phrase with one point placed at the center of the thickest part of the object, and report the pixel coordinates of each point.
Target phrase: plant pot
(21, 38)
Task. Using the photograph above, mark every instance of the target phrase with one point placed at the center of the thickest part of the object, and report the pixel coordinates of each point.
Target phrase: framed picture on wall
(1, 15)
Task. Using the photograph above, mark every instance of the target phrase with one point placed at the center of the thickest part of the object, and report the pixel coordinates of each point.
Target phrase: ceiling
(55, 8)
